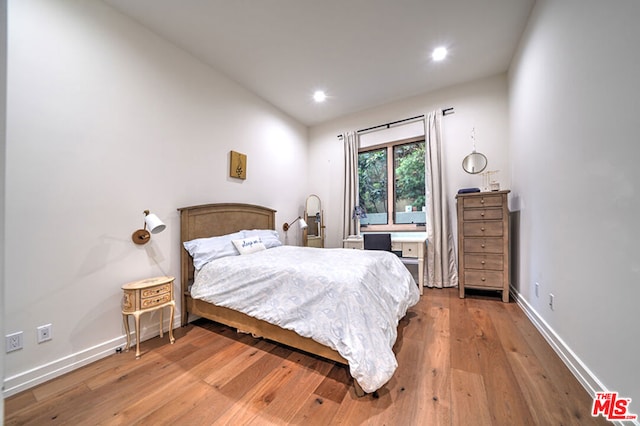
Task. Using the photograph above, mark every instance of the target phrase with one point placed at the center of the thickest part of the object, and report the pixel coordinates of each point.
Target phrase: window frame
(391, 190)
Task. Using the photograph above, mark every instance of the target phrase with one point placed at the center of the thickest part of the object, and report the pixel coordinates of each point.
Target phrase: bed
(214, 220)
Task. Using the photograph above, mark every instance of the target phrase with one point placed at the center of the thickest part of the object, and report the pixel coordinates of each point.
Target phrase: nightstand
(145, 296)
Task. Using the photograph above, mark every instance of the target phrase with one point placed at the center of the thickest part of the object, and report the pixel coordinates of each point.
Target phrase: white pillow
(269, 237)
(249, 245)
(204, 250)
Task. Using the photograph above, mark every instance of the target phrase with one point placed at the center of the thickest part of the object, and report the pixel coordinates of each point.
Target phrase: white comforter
(349, 300)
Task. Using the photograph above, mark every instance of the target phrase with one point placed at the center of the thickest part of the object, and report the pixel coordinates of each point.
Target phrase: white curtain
(442, 269)
(350, 140)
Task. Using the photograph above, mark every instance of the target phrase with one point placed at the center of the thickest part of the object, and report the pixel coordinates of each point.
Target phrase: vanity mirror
(314, 235)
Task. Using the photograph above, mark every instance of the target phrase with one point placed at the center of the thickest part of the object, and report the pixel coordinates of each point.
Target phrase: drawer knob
(482, 214)
(482, 201)
(483, 262)
(482, 229)
(482, 245)
(483, 279)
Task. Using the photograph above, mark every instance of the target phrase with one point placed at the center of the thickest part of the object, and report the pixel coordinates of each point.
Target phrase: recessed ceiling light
(439, 53)
(319, 96)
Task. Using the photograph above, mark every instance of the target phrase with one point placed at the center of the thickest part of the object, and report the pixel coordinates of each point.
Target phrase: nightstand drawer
(155, 301)
(154, 291)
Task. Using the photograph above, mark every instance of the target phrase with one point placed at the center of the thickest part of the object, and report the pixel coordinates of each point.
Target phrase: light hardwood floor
(472, 361)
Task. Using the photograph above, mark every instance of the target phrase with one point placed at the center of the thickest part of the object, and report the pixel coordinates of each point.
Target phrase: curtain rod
(445, 111)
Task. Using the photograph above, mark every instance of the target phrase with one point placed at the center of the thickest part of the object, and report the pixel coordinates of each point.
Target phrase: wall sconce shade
(301, 222)
(154, 225)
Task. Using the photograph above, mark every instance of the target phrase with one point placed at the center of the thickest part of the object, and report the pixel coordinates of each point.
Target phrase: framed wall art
(238, 165)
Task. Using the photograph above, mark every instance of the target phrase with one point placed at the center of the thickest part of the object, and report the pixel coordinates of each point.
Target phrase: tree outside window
(402, 192)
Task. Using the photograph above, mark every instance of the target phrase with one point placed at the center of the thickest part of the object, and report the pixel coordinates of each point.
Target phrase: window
(392, 185)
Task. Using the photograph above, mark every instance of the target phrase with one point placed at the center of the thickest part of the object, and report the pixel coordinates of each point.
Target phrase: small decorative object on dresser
(145, 296)
(483, 241)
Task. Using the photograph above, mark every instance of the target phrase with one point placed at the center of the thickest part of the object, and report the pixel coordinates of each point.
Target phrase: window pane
(408, 161)
(372, 175)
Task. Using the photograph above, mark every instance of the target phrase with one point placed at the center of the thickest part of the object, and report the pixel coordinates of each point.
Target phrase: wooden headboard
(213, 220)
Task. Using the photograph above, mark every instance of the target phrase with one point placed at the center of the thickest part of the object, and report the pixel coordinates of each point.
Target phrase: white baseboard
(579, 369)
(40, 374)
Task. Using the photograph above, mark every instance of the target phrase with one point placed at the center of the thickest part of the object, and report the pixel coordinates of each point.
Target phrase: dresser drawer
(155, 301)
(483, 245)
(483, 201)
(488, 279)
(493, 262)
(154, 291)
(482, 229)
(482, 214)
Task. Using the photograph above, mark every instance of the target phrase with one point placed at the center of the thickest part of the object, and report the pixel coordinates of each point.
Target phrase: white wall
(574, 100)
(106, 120)
(481, 104)
(3, 115)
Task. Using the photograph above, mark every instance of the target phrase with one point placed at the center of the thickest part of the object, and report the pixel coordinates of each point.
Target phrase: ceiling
(362, 53)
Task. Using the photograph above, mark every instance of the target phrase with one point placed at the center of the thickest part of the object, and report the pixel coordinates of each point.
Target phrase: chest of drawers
(483, 242)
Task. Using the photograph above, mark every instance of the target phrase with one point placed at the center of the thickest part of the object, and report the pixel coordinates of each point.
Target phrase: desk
(146, 296)
(412, 245)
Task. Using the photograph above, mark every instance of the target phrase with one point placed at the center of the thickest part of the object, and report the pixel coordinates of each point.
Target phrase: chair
(377, 242)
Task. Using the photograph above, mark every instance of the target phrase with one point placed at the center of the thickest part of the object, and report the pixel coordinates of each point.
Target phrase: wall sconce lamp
(154, 225)
(301, 222)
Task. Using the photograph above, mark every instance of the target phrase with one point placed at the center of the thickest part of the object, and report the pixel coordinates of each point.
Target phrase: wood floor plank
(506, 401)
(46, 411)
(436, 366)
(246, 359)
(336, 384)
(315, 411)
(460, 361)
(574, 397)
(469, 399)
(464, 354)
(274, 399)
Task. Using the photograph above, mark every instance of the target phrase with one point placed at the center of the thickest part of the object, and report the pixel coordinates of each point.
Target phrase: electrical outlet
(44, 333)
(13, 341)
(537, 289)
(551, 297)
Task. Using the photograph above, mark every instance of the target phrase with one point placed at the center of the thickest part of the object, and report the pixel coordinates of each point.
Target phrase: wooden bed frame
(212, 220)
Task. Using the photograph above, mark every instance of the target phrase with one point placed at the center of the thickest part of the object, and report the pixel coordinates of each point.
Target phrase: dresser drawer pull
(482, 201)
(483, 279)
(482, 214)
(483, 262)
(482, 245)
(482, 229)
